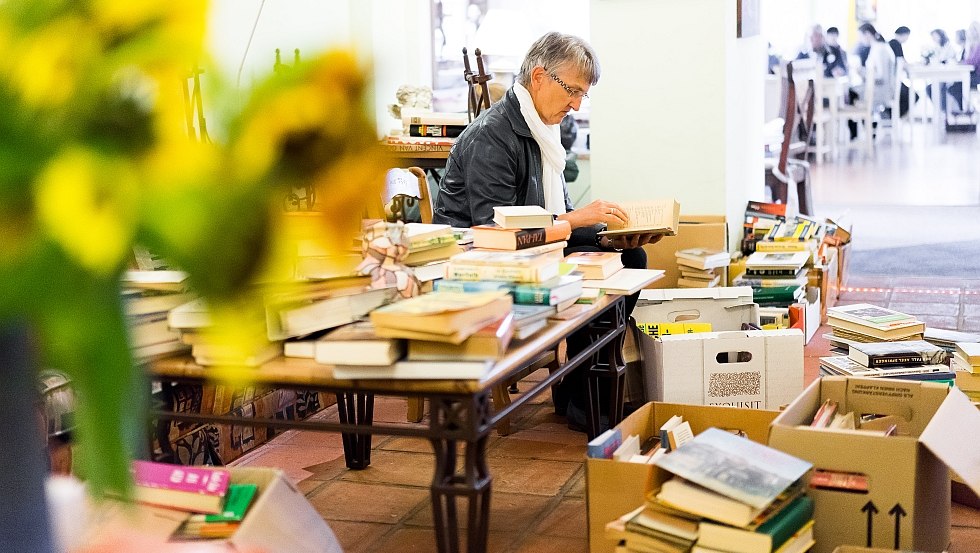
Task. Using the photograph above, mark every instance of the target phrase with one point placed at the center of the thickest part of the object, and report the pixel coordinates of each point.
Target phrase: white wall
(393, 36)
(678, 111)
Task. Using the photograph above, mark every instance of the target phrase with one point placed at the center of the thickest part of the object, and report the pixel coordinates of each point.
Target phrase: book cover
(790, 273)
(844, 365)
(460, 270)
(735, 467)
(237, 501)
(702, 258)
(861, 333)
(522, 217)
(871, 315)
(886, 354)
(498, 238)
(625, 281)
(596, 265)
(357, 344)
(603, 445)
(553, 292)
(443, 312)
(766, 538)
(490, 342)
(178, 487)
(648, 216)
(776, 260)
(470, 286)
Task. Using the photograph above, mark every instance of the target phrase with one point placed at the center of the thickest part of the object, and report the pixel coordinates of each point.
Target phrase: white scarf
(548, 138)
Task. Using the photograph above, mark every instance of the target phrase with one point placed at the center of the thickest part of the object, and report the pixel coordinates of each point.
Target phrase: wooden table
(422, 155)
(462, 415)
(934, 74)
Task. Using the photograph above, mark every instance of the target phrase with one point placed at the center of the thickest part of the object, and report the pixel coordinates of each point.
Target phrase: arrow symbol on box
(870, 508)
(899, 512)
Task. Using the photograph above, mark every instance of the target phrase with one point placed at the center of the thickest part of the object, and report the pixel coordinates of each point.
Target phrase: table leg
(461, 424)
(608, 365)
(356, 408)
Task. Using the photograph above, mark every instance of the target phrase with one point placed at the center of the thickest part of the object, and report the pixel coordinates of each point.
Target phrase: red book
(494, 237)
(193, 489)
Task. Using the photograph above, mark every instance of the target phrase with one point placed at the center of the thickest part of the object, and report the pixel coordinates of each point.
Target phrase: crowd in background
(886, 57)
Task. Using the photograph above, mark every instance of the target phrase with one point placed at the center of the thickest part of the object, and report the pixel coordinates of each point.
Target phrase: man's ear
(538, 76)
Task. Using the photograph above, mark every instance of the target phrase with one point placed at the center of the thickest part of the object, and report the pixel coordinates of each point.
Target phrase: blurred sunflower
(94, 158)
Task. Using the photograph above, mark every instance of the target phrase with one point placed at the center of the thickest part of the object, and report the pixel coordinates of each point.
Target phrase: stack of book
(148, 297)
(966, 364)
(293, 311)
(760, 217)
(777, 279)
(604, 273)
(433, 124)
(216, 505)
(863, 322)
(728, 494)
(948, 339)
(450, 335)
(700, 267)
(429, 243)
(907, 360)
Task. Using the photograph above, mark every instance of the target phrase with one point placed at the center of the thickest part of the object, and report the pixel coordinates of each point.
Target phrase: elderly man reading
(512, 155)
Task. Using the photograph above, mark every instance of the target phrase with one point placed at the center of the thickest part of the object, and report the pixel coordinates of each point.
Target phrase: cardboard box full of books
(614, 488)
(694, 231)
(759, 369)
(878, 488)
(279, 519)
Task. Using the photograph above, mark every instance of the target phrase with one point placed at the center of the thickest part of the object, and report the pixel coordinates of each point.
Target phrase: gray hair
(555, 50)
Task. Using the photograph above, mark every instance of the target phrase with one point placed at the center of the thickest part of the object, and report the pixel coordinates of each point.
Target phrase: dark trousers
(574, 387)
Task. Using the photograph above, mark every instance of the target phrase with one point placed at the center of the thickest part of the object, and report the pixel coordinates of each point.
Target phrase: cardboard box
(908, 499)
(726, 308)
(759, 369)
(280, 520)
(614, 488)
(694, 231)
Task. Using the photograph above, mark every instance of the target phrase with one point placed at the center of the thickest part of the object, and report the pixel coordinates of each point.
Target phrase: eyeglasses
(572, 92)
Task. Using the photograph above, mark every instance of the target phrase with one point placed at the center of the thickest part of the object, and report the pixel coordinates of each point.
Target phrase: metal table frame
(460, 421)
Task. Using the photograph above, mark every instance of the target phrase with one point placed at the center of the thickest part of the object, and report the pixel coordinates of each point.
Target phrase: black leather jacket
(495, 162)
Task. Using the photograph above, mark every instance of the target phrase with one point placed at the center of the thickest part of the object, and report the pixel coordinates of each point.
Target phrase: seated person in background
(972, 57)
(512, 155)
(833, 65)
(836, 60)
(879, 65)
(960, 44)
(941, 52)
(901, 37)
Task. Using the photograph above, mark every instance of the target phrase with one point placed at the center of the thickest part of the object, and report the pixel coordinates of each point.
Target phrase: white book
(629, 448)
(522, 216)
(625, 281)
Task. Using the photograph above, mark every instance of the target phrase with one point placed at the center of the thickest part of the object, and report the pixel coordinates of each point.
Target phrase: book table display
(462, 414)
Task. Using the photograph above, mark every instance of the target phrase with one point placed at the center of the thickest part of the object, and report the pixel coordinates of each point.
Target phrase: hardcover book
(844, 365)
(702, 258)
(193, 489)
(735, 467)
(776, 260)
(596, 265)
(871, 315)
(648, 217)
(357, 344)
(862, 333)
(499, 238)
(522, 217)
(443, 312)
(887, 354)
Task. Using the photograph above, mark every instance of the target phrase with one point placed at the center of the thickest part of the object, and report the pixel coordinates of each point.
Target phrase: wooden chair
(786, 171)
(399, 195)
(862, 112)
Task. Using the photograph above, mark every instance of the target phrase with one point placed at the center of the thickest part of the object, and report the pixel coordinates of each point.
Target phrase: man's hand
(632, 241)
(599, 211)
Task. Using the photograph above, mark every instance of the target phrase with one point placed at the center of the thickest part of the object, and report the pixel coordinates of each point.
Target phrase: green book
(237, 500)
(786, 522)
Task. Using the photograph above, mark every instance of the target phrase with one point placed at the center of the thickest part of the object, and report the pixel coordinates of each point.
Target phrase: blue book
(603, 445)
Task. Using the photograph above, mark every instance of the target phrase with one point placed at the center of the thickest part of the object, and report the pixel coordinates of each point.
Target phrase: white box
(759, 369)
(726, 308)
(812, 308)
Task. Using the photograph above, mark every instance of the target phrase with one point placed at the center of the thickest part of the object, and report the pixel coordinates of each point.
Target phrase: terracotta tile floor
(538, 500)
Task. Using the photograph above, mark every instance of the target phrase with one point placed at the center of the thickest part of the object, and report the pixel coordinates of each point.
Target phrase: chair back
(403, 189)
(789, 118)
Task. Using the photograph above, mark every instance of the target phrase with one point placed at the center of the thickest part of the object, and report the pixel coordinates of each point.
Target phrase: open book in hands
(648, 217)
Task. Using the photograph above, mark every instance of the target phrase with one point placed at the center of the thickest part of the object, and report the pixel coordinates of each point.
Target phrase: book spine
(417, 148)
(770, 272)
(785, 524)
(180, 478)
(442, 131)
(890, 360)
(447, 285)
(534, 296)
(456, 120)
(783, 246)
(492, 272)
(528, 238)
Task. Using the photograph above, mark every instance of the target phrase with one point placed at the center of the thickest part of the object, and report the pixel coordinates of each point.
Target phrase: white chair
(894, 125)
(862, 112)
